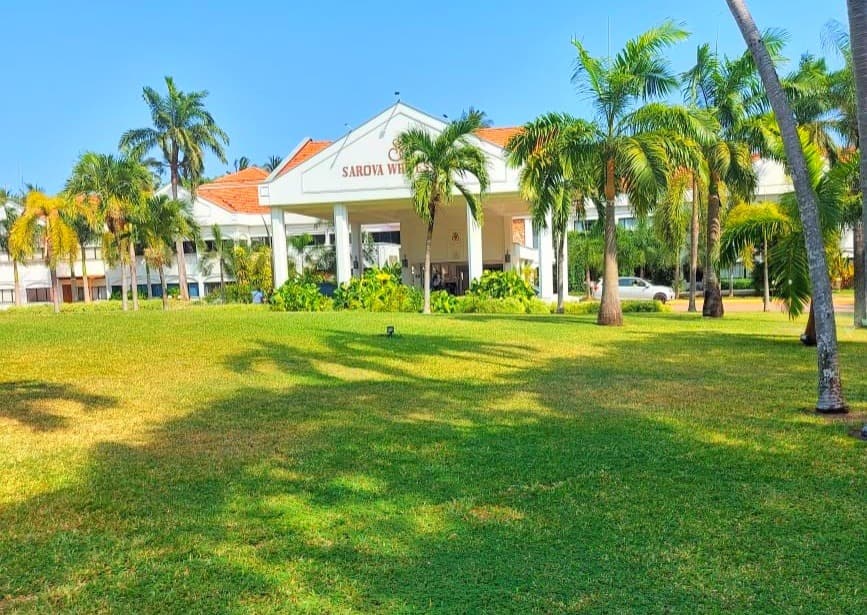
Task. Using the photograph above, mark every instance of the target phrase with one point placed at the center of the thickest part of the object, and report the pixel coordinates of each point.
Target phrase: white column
(357, 251)
(546, 261)
(474, 247)
(564, 267)
(341, 243)
(278, 247)
(201, 287)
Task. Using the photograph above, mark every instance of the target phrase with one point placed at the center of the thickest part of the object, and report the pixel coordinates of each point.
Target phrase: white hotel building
(337, 191)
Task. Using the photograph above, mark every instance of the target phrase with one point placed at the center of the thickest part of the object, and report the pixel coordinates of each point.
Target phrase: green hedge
(592, 307)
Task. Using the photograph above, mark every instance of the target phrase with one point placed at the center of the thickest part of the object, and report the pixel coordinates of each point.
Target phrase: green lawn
(235, 459)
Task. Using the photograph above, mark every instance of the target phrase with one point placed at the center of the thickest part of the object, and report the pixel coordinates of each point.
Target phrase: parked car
(637, 288)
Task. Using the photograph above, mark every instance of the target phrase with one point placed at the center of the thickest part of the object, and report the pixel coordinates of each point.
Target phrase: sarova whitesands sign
(393, 166)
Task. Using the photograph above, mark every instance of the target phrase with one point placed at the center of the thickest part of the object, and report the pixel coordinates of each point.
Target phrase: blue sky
(277, 72)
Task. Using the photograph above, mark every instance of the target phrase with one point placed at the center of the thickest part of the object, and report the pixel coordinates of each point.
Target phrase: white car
(637, 288)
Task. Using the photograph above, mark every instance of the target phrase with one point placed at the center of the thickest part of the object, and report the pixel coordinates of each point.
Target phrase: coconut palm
(241, 163)
(830, 398)
(10, 215)
(118, 184)
(43, 217)
(272, 163)
(437, 165)
(754, 227)
(671, 221)
(85, 219)
(548, 180)
(636, 145)
(183, 131)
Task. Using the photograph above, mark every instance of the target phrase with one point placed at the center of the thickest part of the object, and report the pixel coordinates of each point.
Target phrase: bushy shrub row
(378, 290)
(300, 294)
(634, 307)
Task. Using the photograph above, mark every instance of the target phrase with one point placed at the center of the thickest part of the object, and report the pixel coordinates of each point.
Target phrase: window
(193, 289)
(38, 295)
(580, 225)
(625, 282)
(386, 237)
(189, 247)
(7, 296)
(318, 240)
(628, 223)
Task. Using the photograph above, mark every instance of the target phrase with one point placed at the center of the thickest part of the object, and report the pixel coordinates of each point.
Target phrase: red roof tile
(305, 152)
(498, 136)
(236, 192)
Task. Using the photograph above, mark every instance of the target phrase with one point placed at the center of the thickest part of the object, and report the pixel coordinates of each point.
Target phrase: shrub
(442, 302)
(536, 306)
(502, 285)
(378, 290)
(299, 294)
(592, 307)
(474, 304)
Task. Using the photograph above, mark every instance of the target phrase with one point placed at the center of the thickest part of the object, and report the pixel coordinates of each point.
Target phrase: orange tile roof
(305, 152)
(498, 136)
(236, 192)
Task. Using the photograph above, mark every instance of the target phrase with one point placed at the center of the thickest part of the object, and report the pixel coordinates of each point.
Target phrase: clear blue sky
(279, 71)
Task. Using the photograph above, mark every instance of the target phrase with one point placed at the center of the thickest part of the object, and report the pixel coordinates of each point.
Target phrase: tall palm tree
(241, 163)
(548, 180)
(731, 90)
(299, 243)
(183, 130)
(437, 165)
(118, 185)
(636, 144)
(272, 163)
(855, 53)
(671, 221)
(44, 217)
(10, 215)
(830, 398)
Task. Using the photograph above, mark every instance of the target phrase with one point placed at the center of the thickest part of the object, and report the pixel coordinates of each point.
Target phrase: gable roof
(498, 136)
(236, 192)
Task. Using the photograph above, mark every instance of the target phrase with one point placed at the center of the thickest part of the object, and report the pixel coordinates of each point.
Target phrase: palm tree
(636, 145)
(540, 150)
(830, 398)
(183, 130)
(670, 221)
(272, 163)
(84, 218)
(730, 89)
(159, 222)
(851, 85)
(437, 165)
(10, 215)
(754, 226)
(218, 253)
(118, 185)
(58, 238)
(241, 163)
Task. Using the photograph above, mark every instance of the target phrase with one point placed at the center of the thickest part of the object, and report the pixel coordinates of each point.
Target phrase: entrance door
(67, 293)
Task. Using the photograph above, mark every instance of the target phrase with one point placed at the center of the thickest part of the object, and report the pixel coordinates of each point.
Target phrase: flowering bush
(502, 285)
(300, 294)
(378, 290)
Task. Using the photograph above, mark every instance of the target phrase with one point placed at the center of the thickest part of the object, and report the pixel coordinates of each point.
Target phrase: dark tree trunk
(693, 249)
(610, 312)
(808, 337)
(164, 287)
(830, 388)
(133, 276)
(713, 303)
(857, 10)
(588, 282)
(84, 281)
(179, 242)
(427, 243)
(150, 290)
(124, 285)
(56, 290)
(561, 298)
(860, 267)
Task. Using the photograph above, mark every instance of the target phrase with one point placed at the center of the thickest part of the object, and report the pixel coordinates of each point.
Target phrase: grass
(235, 459)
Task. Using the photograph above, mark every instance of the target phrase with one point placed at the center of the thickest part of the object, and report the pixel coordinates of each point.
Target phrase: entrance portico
(358, 180)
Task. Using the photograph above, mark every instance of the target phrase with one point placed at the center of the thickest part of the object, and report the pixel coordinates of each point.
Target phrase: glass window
(7, 296)
(625, 282)
(38, 295)
(628, 223)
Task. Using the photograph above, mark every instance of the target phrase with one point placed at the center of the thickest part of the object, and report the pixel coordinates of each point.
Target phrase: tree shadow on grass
(30, 402)
(376, 479)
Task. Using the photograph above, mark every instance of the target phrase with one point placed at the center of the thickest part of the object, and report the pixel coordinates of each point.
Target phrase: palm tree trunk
(693, 248)
(588, 282)
(808, 338)
(179, 242)
(427, 243)
(610, 312)
(124, 285)
(222, 282)
(677, 274)
(860, 266)
(16, 277)
(133, 276)
(858, 39)
(150, 290)
(561, 299)
(830, 388)
(766, 286)
(713, 303)
(56, 291)
(84, 281)
(164, 287)
(72, 286)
